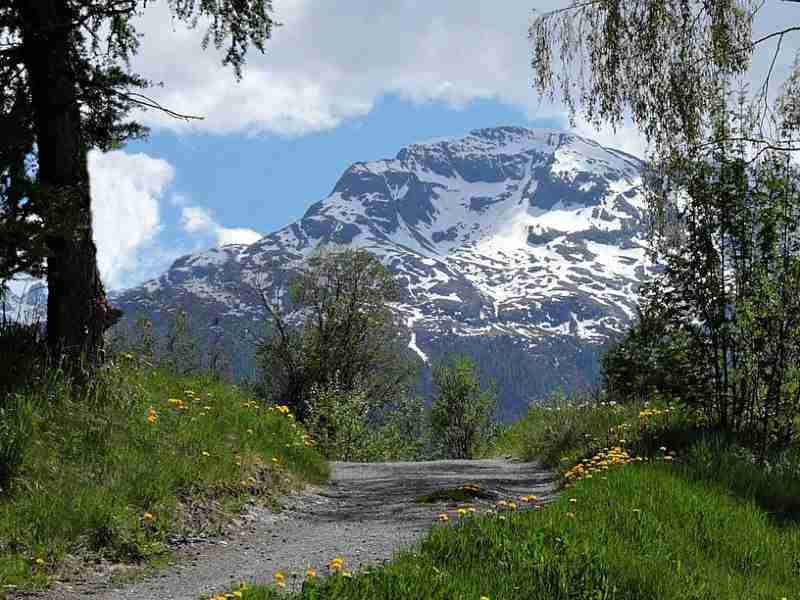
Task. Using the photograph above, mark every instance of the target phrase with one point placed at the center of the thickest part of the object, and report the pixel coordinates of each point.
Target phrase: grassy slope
(702, 526)
(100, 478)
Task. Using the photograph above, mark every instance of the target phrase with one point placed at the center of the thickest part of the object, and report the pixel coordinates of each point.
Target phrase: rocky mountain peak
(510, 243)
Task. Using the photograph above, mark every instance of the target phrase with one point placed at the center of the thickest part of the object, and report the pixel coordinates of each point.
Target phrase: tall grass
(643, 533)
(712, 522)
(561, 430)
(113, 470)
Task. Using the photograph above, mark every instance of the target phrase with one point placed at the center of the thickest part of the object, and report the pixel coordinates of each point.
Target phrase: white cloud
(331, 61)
(127, 191)
(196, 219)
(125, 205)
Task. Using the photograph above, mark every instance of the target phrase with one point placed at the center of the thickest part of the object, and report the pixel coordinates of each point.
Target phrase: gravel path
(365, 514)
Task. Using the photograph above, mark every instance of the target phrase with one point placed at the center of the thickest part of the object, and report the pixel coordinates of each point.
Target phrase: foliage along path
(365, 514)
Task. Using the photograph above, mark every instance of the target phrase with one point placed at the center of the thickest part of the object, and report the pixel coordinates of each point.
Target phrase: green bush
(401, 432)
(347, 425)
(463, 414)
(337, 420)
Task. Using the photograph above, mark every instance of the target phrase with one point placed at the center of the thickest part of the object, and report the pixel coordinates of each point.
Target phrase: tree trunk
(76, 308)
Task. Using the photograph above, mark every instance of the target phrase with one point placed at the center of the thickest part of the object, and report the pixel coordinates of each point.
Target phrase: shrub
(337, 421)
(336, 321)
(463, 414)
(402, 432)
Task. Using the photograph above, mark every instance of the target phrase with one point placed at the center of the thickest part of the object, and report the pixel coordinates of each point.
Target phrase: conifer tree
(66, 87)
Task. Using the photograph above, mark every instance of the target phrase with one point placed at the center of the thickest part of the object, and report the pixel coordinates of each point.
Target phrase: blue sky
(266, 182)
(339, 83)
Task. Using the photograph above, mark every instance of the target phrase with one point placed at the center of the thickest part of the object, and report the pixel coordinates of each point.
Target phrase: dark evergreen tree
(67, 87)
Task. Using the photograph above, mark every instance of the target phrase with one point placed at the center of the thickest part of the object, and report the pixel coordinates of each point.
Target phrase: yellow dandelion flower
(311, 573)
(280, 578)
(40, 561)
(573, 500)
(147, 516)
(461, 512)
(346, 574)
(206, 453)
(443, 517)
(237, 593)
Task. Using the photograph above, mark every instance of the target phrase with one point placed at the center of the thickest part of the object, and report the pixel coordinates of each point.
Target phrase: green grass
(644, 533)
(561, 431)
(100, 479)
(711, 524)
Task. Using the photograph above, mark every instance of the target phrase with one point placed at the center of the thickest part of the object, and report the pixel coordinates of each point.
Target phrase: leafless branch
(765, 87)
(147, 102)
(557, 11)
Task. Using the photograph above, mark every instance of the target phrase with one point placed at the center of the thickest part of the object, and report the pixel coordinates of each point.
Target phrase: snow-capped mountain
(28, 305)
(523, 247)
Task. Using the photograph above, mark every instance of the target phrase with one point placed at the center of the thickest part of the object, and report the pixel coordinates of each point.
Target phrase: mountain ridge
(521, 243)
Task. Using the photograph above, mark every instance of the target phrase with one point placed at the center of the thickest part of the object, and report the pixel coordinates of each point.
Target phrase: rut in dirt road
(366, 513)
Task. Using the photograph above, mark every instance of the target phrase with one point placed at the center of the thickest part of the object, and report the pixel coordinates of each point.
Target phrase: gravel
(365, 513)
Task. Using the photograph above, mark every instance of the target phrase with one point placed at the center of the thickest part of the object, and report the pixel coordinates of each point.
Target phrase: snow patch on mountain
(532, 234)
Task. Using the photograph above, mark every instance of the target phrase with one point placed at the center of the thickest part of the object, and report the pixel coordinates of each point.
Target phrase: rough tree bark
(77, 309)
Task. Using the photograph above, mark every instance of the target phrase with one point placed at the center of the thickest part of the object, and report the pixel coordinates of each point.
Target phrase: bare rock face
(522, 247)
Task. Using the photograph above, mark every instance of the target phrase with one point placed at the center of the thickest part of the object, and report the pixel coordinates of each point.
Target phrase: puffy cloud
(125, 205)
(330, 61)
(196, 219)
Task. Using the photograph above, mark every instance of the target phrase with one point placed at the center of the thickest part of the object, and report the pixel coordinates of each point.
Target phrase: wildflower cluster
(305, 438)
(505, 504)
(335, 566)
(500, 506)
(601, 461)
